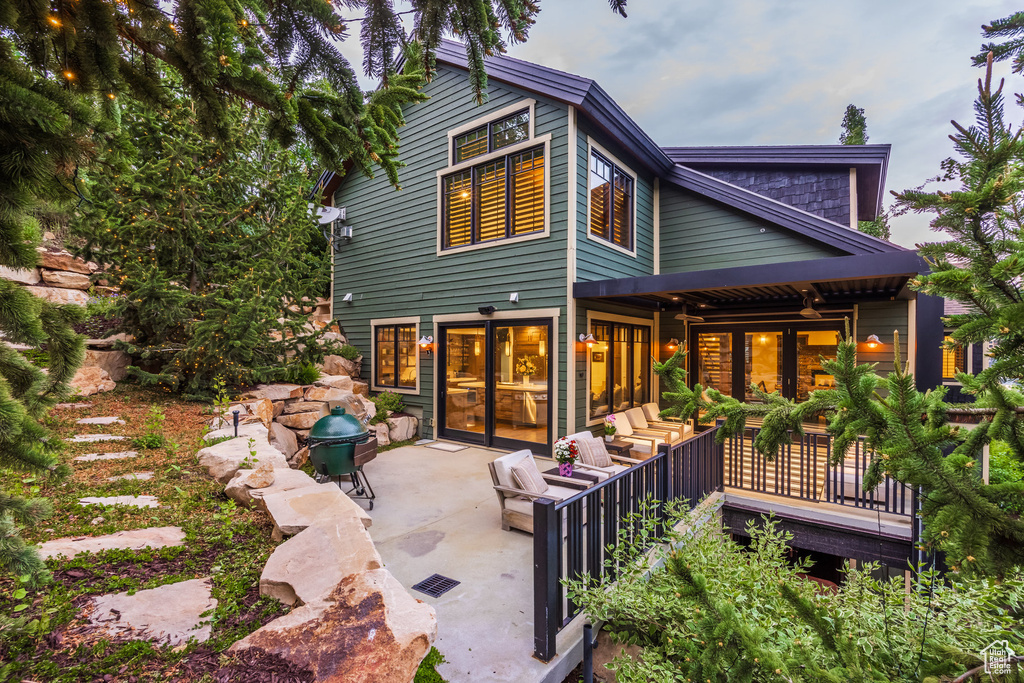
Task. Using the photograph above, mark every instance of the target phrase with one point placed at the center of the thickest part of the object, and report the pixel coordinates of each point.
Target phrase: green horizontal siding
(595, 260)
(391, 265)
(882, 318)
(699, 234)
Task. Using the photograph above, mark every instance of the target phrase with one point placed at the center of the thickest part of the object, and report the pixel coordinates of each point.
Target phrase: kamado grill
(339, 446)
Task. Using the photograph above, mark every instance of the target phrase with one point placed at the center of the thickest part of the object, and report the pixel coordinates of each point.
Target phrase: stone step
(72, 406)
(91, 438)
(130, 501)
(284, 479)
(107, 456)
(100, 421)
(293, 511)
(134, 476)
(153, 537)
(224, 459)
(166, 615)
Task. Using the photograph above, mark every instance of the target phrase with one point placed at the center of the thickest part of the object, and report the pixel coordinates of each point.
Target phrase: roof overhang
(841, 280)
(871, 162)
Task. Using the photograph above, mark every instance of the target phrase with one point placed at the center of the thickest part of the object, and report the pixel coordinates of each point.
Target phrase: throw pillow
(599, 453)
(527, 476)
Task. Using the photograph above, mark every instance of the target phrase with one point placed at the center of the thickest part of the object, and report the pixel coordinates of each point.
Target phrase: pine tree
(212, 244)
(1011, 29)
(855, 127)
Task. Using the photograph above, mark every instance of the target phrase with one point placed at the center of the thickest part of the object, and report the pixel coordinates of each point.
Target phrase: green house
(543, 249)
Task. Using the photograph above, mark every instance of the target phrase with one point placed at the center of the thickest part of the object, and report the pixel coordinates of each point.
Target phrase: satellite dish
(325, 214)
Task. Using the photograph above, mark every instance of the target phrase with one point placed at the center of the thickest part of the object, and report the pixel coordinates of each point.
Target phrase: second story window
(953, 360)
(501, 197)
(611, 202)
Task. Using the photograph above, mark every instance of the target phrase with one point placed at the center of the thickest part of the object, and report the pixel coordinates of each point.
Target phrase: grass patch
(427, 671)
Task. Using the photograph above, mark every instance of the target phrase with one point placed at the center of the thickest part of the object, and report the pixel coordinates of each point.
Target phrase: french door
(495, 383)
(783, 357)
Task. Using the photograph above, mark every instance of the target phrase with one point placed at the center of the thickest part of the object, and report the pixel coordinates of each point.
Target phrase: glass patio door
(496, 384)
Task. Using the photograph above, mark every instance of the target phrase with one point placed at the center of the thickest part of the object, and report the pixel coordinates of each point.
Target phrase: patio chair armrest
(624, 459)
(649, 439)
(675, 429)
(519, 492)
(556, 479)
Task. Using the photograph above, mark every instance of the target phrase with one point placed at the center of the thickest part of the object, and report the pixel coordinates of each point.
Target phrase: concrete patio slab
(436, 512)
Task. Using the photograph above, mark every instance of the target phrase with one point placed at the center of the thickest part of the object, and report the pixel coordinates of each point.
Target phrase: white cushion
(651, 411)
(503, 467)
(636, 418)
(622, 426)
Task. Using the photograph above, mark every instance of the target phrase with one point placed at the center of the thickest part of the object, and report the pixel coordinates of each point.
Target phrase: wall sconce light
(486, 310)
(543, 348)
(426, 344)
(476, 348)
(673, 343)
(763, 340)
(508, 348)
(347, 298)
(873, 341)
(514, 297)
(588, 339)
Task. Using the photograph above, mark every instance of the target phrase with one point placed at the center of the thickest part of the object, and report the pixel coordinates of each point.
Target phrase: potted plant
(566, 453)
(609, 428)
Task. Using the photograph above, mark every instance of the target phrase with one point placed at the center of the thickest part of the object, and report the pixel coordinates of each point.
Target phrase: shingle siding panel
(823, 192)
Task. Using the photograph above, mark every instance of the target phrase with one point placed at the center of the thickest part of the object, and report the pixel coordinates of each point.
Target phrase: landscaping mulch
(86, 578)
(96, 326)
(250, 665)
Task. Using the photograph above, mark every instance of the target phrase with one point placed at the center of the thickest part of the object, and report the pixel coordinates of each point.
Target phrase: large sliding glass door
(780, 357)
(497, 383)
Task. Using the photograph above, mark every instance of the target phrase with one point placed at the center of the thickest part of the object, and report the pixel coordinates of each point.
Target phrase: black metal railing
(804, 470)
(571, 538)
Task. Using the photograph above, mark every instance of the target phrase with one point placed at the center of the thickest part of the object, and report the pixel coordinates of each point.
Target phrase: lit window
(395, 356)
(611, 202)
(620, 367)
(953, 360)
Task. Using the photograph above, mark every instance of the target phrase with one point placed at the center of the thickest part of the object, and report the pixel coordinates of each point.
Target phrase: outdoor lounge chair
(652, 412)
(673, 432)
(591, 445)
(517, 502)
(645, 442)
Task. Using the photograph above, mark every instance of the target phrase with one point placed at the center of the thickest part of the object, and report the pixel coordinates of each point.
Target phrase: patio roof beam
(891, 264)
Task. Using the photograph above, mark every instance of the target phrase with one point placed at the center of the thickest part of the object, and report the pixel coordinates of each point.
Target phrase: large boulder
(264, 410)
(114, 362)
(402, 427)
(91, 380)
(299, 420)
(367, 630)
(66, 279)
(284, 439)
(224, 459)
(62, 260)
(279, 392)
(300, 458)
(382, 432)
(60, 296)
(328, 393)
(292, 511)
(241, 490)
(26, 276)
(310, 564)
(253, 429)
(361, 388)
(336, 365)
(336, 381)
(293, 407)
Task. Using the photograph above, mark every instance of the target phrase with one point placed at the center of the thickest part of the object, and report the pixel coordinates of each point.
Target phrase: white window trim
(592, 145)
(383, 322)
(493, 116)
(615, 318)
(544, 140)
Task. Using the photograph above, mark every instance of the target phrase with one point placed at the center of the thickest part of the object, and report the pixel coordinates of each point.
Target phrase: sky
(781, 72)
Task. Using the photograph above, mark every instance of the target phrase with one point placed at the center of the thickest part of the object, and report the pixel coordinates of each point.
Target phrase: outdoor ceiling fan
(687, 318)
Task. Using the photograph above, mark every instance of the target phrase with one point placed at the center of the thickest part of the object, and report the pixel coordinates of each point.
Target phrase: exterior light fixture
(588, 339)
(426, 344)
(347, 298)
(673, 343)
(514, 297)
(808, 310)
(486, 310)
(873, 341)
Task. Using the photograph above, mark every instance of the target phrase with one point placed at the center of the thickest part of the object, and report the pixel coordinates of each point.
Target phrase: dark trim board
(902, 263)
(826, 538)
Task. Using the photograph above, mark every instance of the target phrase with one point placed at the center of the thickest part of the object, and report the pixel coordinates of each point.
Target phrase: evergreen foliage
(211, 243)
(855, 127)
(1011, 29)
(715, 611)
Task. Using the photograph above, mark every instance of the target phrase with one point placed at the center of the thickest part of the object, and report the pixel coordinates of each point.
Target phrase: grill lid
(337, 427)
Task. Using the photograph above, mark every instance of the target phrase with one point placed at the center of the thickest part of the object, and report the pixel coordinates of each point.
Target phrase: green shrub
(387, 402)
(154, 437)
(427, 671)
(37, 357)
(1003, 468)
(303, 373)
(349, 352)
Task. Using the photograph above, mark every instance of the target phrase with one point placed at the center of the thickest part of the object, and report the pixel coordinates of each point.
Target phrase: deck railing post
(546, 595)
(720, 448)
(661, 483)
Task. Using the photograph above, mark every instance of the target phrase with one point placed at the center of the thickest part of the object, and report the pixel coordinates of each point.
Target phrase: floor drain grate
(435, 585)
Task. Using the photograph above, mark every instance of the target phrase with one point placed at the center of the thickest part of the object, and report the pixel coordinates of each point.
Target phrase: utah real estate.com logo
(997, 657)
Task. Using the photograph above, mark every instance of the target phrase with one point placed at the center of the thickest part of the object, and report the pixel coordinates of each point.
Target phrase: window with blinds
(496, 200)
(611, 202)
(953, 360)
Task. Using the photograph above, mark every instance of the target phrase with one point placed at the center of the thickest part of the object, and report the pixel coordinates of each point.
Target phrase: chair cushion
(527, 476)
(503, 464)
(651, 411)
(636, 418)
(599, 453)
(622, 426)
